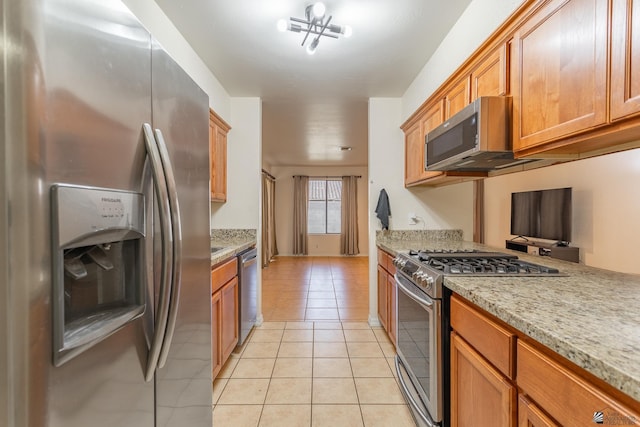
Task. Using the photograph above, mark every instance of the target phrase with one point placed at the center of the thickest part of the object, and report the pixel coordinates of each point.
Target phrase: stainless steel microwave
(477, 138)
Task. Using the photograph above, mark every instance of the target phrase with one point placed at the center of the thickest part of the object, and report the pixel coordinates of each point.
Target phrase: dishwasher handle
(248, 257)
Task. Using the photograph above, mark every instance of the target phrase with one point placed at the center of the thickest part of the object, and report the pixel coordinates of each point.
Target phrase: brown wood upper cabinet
(489, 77)
(625, 58)
(458, 97)
(414, 145)
(218, 130)
(560, 70)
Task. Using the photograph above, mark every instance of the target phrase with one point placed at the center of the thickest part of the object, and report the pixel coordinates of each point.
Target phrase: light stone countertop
(590, 316)
(232, 242)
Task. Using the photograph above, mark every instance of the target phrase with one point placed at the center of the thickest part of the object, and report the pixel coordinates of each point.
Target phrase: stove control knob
(395, 262)
(428, 282)
(419, 277)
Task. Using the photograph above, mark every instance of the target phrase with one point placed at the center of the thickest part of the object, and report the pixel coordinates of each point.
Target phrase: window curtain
(269, 245)
(300, 208)
(349, 234)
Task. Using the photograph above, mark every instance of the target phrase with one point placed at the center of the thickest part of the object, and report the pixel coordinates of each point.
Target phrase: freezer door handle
(166, 232)
(176, 279)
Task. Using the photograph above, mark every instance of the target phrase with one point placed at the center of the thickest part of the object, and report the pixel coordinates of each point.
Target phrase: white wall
(606, 206)
(319, 245)
(154, 19)
(477, 22)
(449, 207)
(244, 162)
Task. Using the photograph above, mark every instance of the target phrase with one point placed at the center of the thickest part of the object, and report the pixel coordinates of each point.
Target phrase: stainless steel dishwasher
(248, 292)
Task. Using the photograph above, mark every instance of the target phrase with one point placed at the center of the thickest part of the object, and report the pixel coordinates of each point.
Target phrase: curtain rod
(328, 177)
(268, 174)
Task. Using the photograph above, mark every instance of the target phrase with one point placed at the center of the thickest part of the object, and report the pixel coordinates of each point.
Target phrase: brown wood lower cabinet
(391, 289)
(566, 396)
(224, 312)
(480, 395)
(216, 349)
(387, 294)
(229, 322)
(529, 415)
(553, 390)
(383, 301)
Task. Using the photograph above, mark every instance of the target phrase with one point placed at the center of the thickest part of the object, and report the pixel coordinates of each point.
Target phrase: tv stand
(567, 253)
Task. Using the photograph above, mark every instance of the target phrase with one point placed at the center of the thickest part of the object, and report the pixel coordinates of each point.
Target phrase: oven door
(419, 360)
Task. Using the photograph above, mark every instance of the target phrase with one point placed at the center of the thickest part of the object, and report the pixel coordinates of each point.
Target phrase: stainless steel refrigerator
(105, 313)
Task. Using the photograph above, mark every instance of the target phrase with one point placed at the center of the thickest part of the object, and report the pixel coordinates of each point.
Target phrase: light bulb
(347, 30)
(319, 10)
(311, 49)
(282, 25)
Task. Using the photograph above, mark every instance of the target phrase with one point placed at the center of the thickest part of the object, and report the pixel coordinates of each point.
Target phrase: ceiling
(314, 104)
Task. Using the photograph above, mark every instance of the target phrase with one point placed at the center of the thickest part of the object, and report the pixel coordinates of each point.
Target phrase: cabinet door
(213, 134)
(391, 296)
(625, 58)
(457, 98)
(480, 395)
(431, 120)
(218, 130)
(229, 318)
(413, 155)
(560, 66)
(489, 78)
(529, 415)
(216, 350)
(219, 176)
(383, 302)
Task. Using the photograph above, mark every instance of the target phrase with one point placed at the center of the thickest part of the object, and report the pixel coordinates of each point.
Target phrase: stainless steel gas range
(422, 360)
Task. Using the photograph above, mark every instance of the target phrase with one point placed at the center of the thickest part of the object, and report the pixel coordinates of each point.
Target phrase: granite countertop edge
(231, 248)
(585, 316)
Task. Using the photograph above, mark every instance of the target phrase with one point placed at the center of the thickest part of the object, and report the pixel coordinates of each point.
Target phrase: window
(325, 206)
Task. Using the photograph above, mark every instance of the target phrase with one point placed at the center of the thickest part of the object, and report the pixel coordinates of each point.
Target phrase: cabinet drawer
(390, 267)
(495, 343)
(382, 258)
(567, 397)
(223, 273)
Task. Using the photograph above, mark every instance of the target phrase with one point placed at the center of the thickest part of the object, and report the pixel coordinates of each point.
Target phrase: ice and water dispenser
(97, 237)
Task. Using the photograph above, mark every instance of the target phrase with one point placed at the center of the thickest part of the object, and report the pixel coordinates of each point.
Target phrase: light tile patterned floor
(316, 374)
(316, 288)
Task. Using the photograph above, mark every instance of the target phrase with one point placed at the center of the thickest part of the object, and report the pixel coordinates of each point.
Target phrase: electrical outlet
(413, 220)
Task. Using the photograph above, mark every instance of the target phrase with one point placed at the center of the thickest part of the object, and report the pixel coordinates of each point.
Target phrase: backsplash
(419, 234)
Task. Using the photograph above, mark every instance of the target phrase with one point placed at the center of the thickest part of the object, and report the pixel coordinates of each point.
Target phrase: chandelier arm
(310, 29)
(324, 27)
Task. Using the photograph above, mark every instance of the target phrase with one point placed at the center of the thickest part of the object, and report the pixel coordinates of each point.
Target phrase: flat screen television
(543, 214)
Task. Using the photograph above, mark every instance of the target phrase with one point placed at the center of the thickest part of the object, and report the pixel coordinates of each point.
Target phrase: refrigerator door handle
(166, 227)
(177, 247)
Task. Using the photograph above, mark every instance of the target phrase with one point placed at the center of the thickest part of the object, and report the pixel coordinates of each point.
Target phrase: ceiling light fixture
(317, 23)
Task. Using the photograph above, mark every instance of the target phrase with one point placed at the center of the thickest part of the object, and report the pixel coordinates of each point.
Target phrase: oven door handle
(411, 293)
(409, 396)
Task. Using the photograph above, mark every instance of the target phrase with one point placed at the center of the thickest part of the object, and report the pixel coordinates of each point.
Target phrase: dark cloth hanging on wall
(383, 210)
